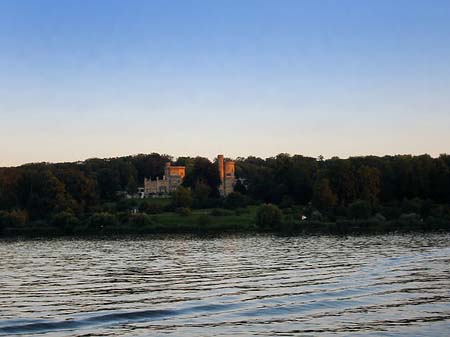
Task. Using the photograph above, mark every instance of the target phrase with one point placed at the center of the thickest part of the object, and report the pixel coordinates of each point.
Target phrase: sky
(82, 79)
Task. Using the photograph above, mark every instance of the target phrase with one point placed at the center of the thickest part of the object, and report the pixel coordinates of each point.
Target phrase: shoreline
(310, 229)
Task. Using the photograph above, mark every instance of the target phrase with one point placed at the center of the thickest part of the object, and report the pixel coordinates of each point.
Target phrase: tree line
(333, 182)
(389, 185)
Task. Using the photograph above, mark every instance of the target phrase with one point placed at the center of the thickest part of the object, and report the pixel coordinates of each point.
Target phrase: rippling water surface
(227, 286)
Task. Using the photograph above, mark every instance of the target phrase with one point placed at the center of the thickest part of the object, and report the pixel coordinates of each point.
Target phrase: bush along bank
(141, 217)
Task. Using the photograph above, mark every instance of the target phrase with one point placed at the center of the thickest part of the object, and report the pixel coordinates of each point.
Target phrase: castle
(174, 176)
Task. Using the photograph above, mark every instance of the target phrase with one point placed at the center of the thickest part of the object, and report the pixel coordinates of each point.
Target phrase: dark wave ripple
(258, 285)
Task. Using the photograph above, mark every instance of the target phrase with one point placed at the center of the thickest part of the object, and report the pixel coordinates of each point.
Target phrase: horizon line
(175, 158)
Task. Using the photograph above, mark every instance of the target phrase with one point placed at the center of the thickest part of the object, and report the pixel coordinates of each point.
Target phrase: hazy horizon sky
(82, 79)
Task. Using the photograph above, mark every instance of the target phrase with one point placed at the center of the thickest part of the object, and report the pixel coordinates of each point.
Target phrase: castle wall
(172, 179)
(174, 176)
(179, 171)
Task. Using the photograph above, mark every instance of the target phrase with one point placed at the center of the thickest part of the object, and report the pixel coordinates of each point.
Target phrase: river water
(390, 285)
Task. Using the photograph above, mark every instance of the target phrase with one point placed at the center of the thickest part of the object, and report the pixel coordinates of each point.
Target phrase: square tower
(226, 174)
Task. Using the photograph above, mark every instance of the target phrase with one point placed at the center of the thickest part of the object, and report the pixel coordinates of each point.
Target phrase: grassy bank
(179, 221)
(115, 219)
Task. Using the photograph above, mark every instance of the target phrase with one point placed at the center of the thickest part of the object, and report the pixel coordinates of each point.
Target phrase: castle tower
(226, 174)
(167, 169)
(221, 167)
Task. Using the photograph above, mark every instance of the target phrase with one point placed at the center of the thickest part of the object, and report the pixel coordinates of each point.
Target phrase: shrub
(182, 197)
(412, 206)
(150, 208)
(202, 193)
(410, 217)
(410, 221)
(316, 216)
(241, 211)
(391, 212)
(360, 209)
(235, 200)
(286, 202)
(184, 211)
(100, 221)
(15, 218)
(378, 218)
(433, 223)
(65, 221)
(221, 212)
(268, 217)
(203, 220)
(141, 222)
(126, 205)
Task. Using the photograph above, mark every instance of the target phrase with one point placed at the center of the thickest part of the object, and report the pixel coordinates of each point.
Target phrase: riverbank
(217, 220)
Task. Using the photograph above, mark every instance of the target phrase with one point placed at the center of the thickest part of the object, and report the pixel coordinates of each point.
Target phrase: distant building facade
(173, 177)
(227, 176)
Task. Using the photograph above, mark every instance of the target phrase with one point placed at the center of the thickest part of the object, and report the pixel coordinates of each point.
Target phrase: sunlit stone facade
(173, 177)
(227, 176)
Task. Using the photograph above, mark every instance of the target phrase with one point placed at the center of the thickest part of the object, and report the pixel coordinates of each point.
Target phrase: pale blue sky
(81, 79)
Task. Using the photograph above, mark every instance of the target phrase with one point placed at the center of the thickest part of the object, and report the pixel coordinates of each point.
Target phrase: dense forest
(66, 196)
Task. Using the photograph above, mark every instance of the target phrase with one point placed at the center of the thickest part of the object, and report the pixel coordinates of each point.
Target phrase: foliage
(182, 197)
(149, 207)
(184, 211)
(202, 193)
(13, 218)
(360, 209)
(316, 216)
(323, 196)
(355, 192)
(65, 221)
(126, 205)
(221, 212)
(204, 220)
(203, 172)
(140, 221)
(101, 221)
(235, 200)
(268, 217)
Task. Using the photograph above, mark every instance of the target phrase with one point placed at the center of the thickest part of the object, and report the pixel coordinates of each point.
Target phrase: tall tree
(323, 196)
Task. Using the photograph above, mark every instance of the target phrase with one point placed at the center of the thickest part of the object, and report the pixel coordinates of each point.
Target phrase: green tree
(182, 197)
(132, 186)
(141, 222)
(79, 185)
(203, 172)
(360, 209)
(202, 193)
(369, 183)
(235, 200)
(240, 187)
(149, 165)
(149, 207)
(65, 221)
(323, 196)
(41, 193)
(268, 217)
(14, 218)
(108, 182)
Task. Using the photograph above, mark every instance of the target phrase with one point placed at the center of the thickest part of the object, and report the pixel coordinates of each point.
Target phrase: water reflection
(250, 285)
